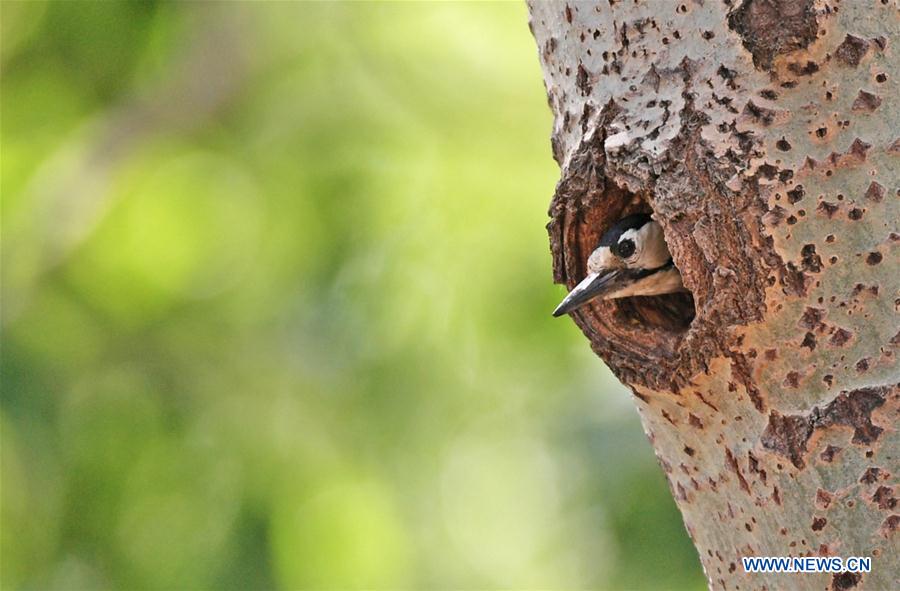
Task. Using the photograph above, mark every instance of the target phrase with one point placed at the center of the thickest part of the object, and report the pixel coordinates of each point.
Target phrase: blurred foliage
(276, 297)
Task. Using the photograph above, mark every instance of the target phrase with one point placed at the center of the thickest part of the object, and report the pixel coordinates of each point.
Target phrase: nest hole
(654, 323)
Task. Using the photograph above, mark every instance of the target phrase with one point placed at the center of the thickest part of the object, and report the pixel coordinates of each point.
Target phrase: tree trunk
(763, 136)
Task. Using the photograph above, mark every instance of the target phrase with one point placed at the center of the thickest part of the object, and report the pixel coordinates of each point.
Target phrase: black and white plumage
(631, 259)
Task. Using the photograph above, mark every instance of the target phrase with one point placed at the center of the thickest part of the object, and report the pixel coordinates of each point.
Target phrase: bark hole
(652, 324)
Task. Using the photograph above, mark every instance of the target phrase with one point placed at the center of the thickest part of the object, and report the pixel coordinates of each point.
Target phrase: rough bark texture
(764, 136)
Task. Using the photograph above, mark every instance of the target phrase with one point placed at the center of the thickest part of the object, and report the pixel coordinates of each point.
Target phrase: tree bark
(763, 136)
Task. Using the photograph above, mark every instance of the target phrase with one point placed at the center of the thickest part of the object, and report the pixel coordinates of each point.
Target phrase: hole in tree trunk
(652, 326)
(725, 259)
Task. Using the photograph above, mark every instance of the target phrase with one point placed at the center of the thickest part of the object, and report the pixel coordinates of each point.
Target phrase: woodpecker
(631, 259)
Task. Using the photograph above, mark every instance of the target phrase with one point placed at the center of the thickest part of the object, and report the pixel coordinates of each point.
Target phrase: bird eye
(626, 248)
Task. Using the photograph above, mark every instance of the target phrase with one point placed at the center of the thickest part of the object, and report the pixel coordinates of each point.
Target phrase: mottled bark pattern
(764, 136)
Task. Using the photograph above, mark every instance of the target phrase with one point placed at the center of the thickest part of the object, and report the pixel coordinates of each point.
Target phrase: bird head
(631, 259)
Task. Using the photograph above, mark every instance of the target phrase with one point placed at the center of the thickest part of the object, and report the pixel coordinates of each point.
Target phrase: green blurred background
(276, 311)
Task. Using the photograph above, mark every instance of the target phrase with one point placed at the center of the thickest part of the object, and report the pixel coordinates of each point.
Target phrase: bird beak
(593, 286)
